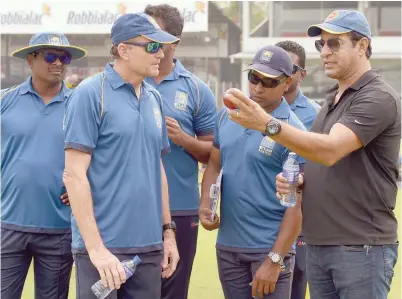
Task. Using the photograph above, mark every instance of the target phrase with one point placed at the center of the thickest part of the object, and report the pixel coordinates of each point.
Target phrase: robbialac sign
(88, 16)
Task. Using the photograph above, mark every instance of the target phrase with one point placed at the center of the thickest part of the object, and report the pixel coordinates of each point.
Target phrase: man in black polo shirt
(350, 179)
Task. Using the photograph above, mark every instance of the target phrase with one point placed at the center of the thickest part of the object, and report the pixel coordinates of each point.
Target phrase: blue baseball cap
(342, 21)
(132, 25)
(53, 40)
(272, 62)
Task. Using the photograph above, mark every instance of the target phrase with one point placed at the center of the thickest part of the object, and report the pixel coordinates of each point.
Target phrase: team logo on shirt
(266, 146)
(180, 100)
(158, 118)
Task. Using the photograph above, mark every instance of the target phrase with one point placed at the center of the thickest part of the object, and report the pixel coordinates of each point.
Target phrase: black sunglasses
(266, 82)
(296, 68)
(334, 44)
(52, 57)
(151, 47)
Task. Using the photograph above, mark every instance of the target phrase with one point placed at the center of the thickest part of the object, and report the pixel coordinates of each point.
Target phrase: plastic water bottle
(129, 267)
(291, 171)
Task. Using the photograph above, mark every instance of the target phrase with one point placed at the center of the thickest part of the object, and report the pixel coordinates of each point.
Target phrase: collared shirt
(188, 100)
(32, 161)
(126, 137)
(352, 202)
(305, 109)
(251, 214)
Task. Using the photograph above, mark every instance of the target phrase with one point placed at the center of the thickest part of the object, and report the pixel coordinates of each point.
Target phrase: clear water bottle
(129, 267)
(291, 171)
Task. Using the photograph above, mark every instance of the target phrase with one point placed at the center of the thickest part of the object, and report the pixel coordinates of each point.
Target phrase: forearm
(211, 173)
(166, 217)
(289, 230)
(315, 147)
(79, 193)
(199, 149)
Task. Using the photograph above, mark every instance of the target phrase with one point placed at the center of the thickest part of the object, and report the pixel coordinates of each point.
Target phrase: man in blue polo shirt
(115, 135)
(35, 224)
(256, 232)
(306, 110)
(190, 109)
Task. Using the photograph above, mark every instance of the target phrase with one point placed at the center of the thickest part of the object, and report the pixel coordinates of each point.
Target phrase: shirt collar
(282, 111)
(26, 87)
(367, 77)
(116, 81)
(300, 101)
(113, 77)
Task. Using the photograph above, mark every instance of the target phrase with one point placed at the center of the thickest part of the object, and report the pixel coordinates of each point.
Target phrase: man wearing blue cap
(191, 110)
(115, 134)
(35, 224)
(256, 235)
(351, 177)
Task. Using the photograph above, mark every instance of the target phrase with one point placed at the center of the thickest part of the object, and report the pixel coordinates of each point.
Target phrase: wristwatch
(273, 127)
(171, 225)
(276, 258)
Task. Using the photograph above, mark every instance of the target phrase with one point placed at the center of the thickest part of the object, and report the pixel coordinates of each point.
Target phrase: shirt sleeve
(206, 112)
(218, 121)
(370, 114)
(82, 119)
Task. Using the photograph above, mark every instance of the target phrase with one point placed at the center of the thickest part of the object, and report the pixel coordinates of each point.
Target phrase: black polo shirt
(352, 202)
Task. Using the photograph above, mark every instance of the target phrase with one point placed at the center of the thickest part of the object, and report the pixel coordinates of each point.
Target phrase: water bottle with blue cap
(129, 267)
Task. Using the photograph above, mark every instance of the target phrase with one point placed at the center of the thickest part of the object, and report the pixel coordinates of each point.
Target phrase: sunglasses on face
(151, 47)
(52, 57)
(265, 82)
(296, 68)
(334, 44)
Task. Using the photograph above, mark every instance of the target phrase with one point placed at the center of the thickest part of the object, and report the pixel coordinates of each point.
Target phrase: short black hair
(170, 17)
(355, 37)
(295, 48)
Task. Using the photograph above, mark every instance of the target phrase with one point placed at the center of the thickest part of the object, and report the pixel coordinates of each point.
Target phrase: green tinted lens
(153, 47)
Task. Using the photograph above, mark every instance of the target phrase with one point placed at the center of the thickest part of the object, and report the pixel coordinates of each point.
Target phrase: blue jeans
(350, 272)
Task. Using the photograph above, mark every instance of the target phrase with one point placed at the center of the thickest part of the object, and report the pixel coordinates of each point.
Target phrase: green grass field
(205, 282)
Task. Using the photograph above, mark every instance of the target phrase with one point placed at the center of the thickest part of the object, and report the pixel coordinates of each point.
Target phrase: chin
(153, 73)
(331, 74)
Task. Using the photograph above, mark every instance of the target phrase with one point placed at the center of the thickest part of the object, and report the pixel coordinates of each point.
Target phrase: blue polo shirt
(32, 161)
(305, 109)
(251, 214)
(190, 101)
(126, 137)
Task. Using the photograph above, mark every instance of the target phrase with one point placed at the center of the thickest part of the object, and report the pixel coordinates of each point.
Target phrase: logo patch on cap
(54, 40)
(153, 22)
(332, 15)
(266, 56)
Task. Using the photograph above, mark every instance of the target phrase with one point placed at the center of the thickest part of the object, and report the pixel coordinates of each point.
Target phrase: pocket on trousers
(353, 248)
(390, 258)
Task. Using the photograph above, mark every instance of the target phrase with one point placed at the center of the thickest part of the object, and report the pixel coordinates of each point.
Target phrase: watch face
(273, 127)
(276, 258)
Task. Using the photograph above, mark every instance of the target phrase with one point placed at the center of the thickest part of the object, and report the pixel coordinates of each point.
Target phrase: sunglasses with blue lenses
(151, 47)
(52, 57)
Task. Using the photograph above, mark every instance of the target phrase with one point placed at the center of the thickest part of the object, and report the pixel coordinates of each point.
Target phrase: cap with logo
(132, 25)
(52, 40)
(342, 21)
(272, 62)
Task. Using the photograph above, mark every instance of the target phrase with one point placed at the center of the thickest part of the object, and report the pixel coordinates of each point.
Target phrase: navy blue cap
(272, 62)
(132, 25)
(53, 40)
(342, 21)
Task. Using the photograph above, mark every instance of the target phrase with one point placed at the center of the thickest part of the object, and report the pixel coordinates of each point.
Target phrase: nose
(259, 87)
(325, 51)
(160, 54)
(57, 62)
